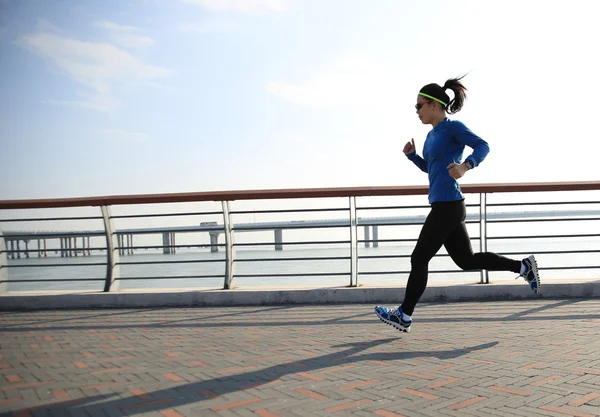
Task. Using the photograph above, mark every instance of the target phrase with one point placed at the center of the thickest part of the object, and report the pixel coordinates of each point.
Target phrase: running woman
(445, 224)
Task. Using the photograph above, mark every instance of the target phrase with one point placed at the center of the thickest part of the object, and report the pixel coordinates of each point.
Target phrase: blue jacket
(445, 144)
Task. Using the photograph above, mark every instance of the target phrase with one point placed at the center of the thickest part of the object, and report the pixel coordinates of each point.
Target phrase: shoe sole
(394, 325)
(537, 276)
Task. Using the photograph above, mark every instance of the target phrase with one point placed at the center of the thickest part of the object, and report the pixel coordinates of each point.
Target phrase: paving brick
(296, 361)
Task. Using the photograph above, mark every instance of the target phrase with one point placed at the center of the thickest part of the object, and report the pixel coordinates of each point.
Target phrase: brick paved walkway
(517, 358)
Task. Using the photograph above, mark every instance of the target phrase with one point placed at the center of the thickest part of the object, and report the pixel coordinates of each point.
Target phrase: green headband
(433, 98)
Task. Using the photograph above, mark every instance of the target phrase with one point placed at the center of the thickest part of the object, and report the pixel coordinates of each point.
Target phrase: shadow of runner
(202, 390)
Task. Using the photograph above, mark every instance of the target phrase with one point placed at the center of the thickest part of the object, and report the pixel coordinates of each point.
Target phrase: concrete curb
(265, 296)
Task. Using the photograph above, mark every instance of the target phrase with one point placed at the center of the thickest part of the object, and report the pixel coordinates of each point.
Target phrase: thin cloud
(104, 24)
(349, 80)
(123, 135)
(125, 36)
(99, 102)
(101, 67)
(244, 6)
(211, 26)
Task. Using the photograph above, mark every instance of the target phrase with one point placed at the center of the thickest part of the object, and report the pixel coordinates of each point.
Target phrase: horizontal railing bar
(394, 223)
(439, 271)
(276, 194)
(472, 271)
(55, 265)
(388, 240)
(190, 229)
(550, 219)
(78, 249)
(45, 219)
(390, 223)
(300, 274)
(549, 252)
(445, 255)
(439, 255)
(398, 240)
(287, 227)
(385, 256)
(140, 216)
(172, 246)
(393, 207)
(10, 281)
(555, 268)
(189, 261)
(542, 236)
(322, 242)
(51, 235)
(542, 203)
(124, 248)
(316, 258)
(405, 207)
(175, 277)
(289, 211)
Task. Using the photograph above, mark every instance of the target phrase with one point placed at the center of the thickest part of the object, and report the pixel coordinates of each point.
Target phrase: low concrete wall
(264, 296)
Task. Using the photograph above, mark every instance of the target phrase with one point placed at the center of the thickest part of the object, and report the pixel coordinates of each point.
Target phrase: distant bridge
(68, 240)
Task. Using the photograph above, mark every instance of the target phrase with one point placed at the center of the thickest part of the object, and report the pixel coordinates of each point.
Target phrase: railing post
(229, 248)
(353, 243)
(3, 264)
(484, 274)
(112, 255)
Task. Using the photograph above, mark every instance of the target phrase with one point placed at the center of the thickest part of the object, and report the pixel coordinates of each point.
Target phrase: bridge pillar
(168, 242)
(367, 237)
(126, 243)
(214, 241)
(18, 249)
(41, 252)
(166, 248)
(278, 239)
(375, 236)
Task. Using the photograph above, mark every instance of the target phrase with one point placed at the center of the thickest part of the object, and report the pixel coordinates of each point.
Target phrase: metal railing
(345, 233)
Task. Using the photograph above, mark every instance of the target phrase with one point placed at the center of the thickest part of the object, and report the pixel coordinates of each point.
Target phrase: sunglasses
(420, 105)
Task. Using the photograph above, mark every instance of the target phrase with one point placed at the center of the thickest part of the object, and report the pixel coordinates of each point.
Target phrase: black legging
(445, 225)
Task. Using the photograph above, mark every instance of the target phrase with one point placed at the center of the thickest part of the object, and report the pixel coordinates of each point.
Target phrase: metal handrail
(229, 229)
(291, 194)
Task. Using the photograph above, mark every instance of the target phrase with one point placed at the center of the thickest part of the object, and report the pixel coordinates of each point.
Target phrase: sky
(120, 97)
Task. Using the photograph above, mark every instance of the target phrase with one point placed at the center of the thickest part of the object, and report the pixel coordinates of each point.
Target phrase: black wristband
(469, 163)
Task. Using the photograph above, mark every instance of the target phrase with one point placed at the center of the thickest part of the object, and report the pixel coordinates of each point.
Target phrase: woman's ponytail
(460, 94)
